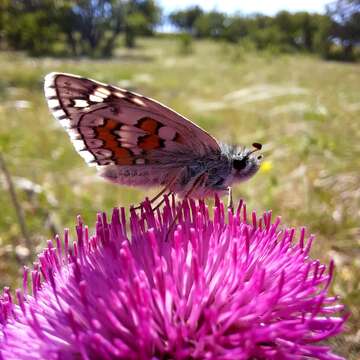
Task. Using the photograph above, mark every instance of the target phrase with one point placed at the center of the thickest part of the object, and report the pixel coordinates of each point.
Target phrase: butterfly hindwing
(109, 125)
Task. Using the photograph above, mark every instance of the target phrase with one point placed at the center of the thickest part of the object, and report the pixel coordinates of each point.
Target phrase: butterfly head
(246, 163)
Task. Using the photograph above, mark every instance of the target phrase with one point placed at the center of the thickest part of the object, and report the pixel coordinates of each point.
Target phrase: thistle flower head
(226, 286)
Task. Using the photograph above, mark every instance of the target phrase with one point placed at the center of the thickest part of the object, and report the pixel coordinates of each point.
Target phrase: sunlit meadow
(306, 112)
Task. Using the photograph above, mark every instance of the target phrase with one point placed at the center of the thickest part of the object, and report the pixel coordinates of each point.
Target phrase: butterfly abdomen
(136, 175)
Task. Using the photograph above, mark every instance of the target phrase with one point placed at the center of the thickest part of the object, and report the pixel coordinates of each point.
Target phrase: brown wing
(109, 125)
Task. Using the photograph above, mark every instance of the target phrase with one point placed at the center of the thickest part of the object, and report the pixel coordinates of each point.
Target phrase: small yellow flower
(266, 166)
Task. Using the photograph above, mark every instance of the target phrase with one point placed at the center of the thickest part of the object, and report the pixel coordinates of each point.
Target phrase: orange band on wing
(121, 155)
(149, 125)
(150, 142)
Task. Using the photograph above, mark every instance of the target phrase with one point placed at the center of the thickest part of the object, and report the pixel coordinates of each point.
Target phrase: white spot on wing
(80, 103)
(59, 113)
(102, 92)
(87, 156)
(128, 145)
(138, 101)
(130, 129)
(49, 80)
(95, 98)
(66, 123)
(74, 134)
(128, 137)
(49, 92)
(53, 103)
(119, 94)
(79, 145)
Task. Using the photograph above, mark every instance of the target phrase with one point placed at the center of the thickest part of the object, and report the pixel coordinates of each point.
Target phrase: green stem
(17, 206)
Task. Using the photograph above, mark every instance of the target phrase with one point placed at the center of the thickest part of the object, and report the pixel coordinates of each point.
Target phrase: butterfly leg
(161, 201)
(167, 187)
(230, 199)
(154, 198)
(199, 180)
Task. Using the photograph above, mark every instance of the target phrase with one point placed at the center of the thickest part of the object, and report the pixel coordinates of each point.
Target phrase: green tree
(81, 27)
(3, 7)
(345, 16)
(185, 19)
(322, 40)
(30, 25)
(211, 24)
(288, 29)
(141, 17)
(306, 26)
(236, 28)
(92, 26)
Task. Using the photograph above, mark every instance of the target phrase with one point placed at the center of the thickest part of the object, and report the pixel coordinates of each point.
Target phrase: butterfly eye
(240, 164)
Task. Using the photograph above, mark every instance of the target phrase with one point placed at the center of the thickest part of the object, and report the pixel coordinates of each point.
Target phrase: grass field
(306, 112)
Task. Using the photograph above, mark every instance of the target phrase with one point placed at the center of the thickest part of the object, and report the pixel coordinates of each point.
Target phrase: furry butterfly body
(136, 141)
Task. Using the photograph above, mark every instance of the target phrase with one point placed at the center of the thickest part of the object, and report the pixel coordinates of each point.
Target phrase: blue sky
(268, 7)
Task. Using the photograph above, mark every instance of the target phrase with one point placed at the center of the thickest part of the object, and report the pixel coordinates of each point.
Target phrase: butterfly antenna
(257, 147)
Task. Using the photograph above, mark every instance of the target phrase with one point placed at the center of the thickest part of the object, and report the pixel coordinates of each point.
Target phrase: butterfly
(137, 141)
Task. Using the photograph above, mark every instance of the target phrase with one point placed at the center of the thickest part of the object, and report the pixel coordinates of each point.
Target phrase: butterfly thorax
(219, 169)
(215, 169)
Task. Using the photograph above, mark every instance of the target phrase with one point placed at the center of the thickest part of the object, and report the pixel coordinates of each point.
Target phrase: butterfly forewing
(109, 125)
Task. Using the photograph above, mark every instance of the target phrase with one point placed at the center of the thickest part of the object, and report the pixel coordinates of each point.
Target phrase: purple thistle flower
(219, 287)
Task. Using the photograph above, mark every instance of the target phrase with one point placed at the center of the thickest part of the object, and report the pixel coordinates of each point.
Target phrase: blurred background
(283, 73)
